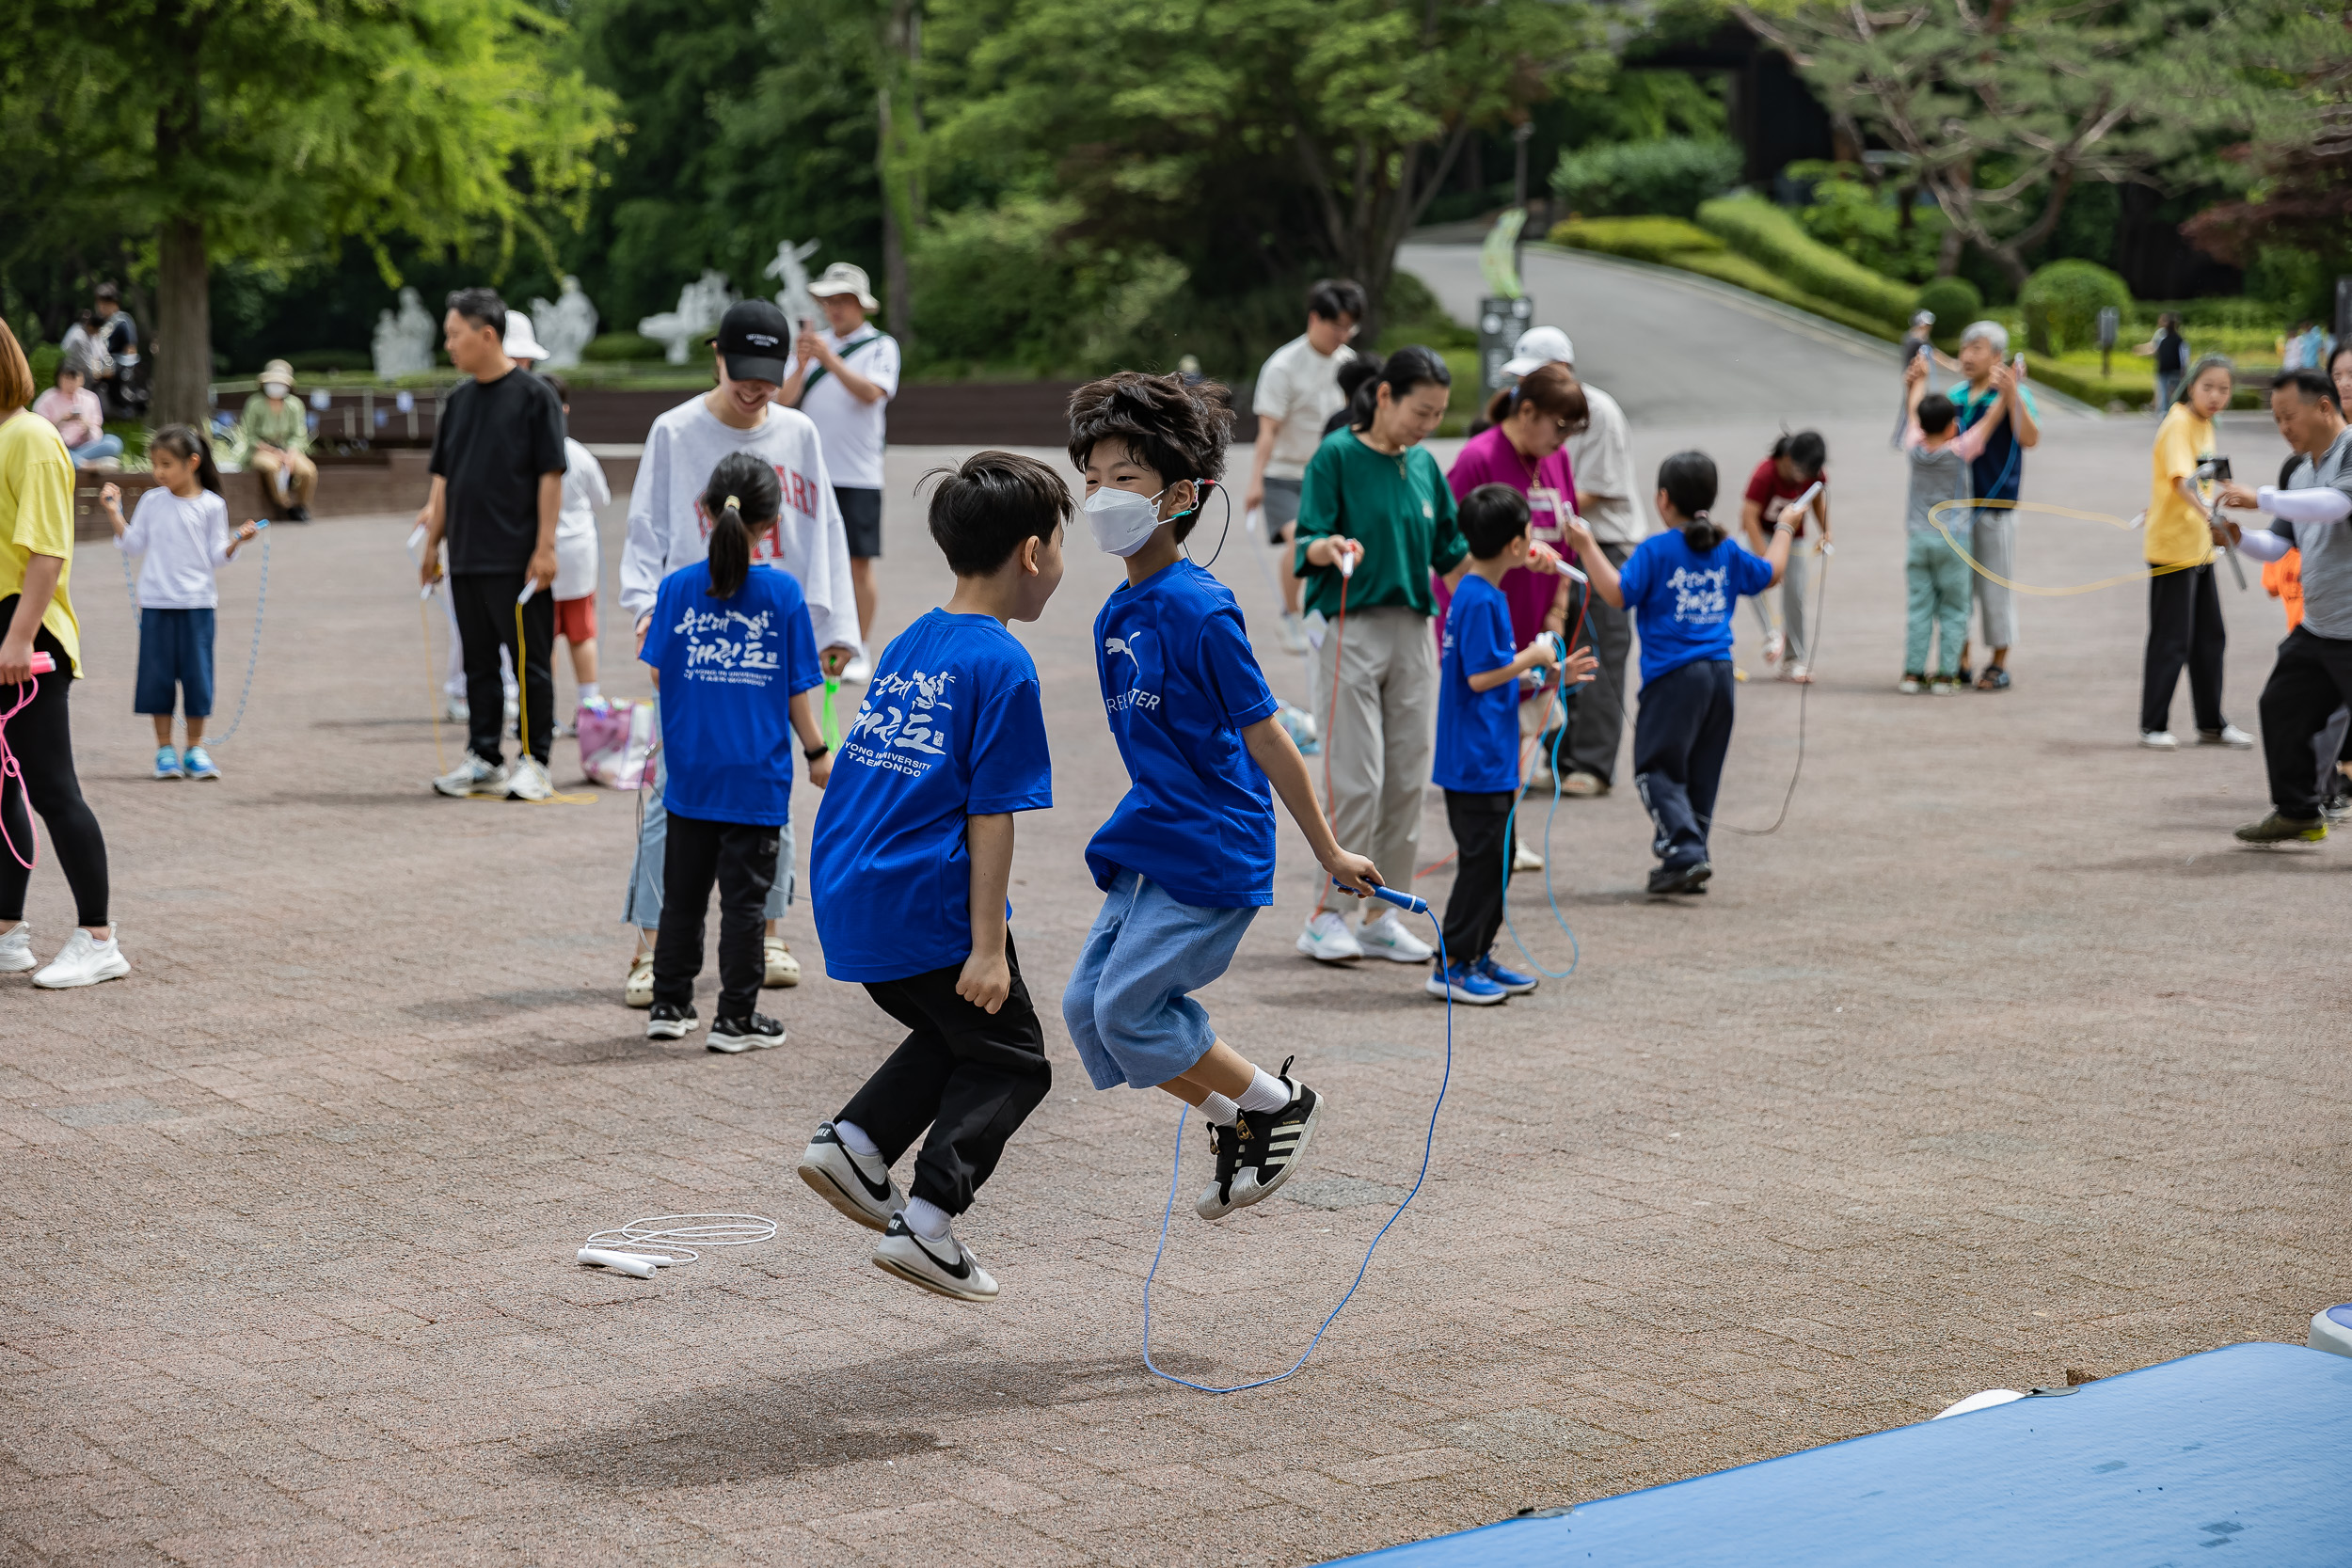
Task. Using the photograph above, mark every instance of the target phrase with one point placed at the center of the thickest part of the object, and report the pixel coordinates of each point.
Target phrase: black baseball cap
(755, 340)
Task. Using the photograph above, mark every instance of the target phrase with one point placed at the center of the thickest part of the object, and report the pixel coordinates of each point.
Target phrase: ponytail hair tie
(733, 504)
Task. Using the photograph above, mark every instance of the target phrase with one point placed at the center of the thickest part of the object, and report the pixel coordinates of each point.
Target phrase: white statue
(403, 345)
(567, 326)
(794, 299)
(700, 305)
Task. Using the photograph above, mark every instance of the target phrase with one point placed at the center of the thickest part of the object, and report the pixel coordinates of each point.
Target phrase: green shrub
(43, 357)
(1954, 302)
(1671, 175)
(2066, 297)
(621, 348)
(1010, 286)
(1865, 222)
(1642, 239)
(1765, 234)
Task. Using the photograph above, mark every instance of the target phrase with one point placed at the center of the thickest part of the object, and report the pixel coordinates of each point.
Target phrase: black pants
(742, 858)
(2312, 679)
(1482, 857)
(1680, 738)
(1597, 713)
(2184, 628)
(969, 1076)
(484, 603)
(41, 741)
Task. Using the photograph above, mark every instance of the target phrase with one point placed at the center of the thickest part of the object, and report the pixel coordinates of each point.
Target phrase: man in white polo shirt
(843, 378)
(1297, 390)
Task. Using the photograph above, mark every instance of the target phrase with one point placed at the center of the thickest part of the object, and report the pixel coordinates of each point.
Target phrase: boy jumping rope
(1186, 860)
(911, 857)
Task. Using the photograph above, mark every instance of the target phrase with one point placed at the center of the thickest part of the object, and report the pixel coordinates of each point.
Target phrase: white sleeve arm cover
(2262, 545)
(2326, 504)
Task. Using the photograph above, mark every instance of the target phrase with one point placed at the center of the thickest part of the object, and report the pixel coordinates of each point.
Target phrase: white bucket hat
(844, 277)
(1539, 347)
(521, 343)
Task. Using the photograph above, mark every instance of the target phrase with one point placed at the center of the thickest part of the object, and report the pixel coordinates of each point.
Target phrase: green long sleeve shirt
(289, 428)
(1399, 506)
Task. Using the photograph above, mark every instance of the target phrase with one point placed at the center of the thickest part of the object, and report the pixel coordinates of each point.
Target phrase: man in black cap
(668, 529)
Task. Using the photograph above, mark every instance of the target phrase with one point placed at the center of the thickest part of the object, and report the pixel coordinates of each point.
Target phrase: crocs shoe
(636, 991)
(783, 968)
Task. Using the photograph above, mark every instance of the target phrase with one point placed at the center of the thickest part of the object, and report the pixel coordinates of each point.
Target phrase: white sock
(1220, 1110)
(588, 692)
(854, 1139)
(925, 1219)
(1265, 1093)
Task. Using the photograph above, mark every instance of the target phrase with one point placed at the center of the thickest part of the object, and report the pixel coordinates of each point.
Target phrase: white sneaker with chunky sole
(527, 779)
(16, 950)
(860, 1188)
(85, 963)
(946, 1267)
(1327, 939)
(473, 775)
(1387, 938)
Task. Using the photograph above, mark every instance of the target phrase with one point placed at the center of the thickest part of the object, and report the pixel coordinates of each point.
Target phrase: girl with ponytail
(1681, 586)
(734, 656)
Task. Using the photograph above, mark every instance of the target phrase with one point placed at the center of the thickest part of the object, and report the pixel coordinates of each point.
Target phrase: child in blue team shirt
(1680, 586)
(735, 657)
(1478, 741)
(910, 863)
(1188, 858)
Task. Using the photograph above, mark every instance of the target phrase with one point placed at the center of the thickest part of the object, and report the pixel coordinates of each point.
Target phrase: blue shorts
(175, 650)
(1126, 1005)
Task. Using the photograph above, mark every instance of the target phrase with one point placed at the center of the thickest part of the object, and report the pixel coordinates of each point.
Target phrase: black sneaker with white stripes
(666, 1022)
(752, 1032)
(945, 1267)
(1261, 1151)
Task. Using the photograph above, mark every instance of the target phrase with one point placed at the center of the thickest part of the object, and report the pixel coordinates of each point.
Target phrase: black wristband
(813, 753)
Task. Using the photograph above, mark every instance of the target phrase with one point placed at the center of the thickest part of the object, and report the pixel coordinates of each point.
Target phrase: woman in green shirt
(1375, 500)
(278, 439)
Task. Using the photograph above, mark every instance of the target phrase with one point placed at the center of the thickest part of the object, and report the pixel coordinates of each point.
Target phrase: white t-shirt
(185, 543)
(1302, 389)
(853, 432)
(667, 528)
(577, 558)
(1601, 458)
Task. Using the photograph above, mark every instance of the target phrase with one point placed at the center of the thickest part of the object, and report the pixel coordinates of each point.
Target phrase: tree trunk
(901, 197)
(897, 290)
(183, 371)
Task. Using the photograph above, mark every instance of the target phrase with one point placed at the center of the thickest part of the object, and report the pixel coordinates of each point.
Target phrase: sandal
(1993, 679)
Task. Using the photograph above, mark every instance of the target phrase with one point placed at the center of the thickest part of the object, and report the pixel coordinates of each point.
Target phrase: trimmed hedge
(2070, 295)
(1671, 175)
(1645, 239)
(1754, 228)
(1954, 302)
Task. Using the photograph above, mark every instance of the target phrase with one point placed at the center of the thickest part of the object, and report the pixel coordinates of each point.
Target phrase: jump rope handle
(529, 589)
(44, 664)
(1406, 901)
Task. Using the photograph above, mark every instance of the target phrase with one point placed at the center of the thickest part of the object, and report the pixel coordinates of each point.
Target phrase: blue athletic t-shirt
(1478, 732)
(952, 727)
(1180, 684)
(729, 670)
(1681, 600)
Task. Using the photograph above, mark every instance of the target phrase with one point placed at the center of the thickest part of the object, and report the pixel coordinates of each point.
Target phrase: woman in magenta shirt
(1524, 446)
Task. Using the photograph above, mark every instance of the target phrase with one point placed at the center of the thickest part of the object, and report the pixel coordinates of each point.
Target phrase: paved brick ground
(2000, 1059)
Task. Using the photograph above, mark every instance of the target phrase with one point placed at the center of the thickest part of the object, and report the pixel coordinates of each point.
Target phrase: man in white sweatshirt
(667, 531)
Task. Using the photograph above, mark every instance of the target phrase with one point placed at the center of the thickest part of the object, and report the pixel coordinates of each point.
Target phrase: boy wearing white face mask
(1186, 860)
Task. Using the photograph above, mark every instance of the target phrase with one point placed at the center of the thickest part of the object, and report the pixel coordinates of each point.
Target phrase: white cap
(1539, 347)
(521, 343)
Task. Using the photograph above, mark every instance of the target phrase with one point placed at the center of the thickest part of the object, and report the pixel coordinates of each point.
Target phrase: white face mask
(274, 389)
(1121, 519)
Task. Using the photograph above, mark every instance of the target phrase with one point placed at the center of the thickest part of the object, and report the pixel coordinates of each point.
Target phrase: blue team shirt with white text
(1681, 601)
(729, 670)
(1478, 732)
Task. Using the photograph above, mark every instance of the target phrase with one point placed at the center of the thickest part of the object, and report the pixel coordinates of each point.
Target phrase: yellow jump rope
(441, 758)
(1936, 513)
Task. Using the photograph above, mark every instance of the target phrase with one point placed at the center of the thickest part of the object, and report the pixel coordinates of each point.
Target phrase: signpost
(2109, 319)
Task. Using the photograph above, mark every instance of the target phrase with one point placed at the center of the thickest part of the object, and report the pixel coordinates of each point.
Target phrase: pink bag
(616, 741)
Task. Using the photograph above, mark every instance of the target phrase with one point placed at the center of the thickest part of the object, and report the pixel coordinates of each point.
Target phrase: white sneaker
(16, 949)
(1524, 858)
(1327, 938)
(1293, 633)
(946, 1266)
(858, 671)
(473, 775)
(2228, 734)
(527, 779)
(1387, 938)
(859, 1187)
(2159, 740)
(783, 968)
(85, 963)
(454, 711)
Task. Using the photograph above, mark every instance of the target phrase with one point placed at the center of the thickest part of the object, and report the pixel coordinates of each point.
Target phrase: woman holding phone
(2183, 605)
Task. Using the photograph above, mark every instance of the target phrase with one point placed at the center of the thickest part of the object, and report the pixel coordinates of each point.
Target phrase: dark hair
(742, 500)
(2311, 384)
(1549, 387)
(107, 290)
(1805, 449)
(1178, 429)
(481, 307)
(1334, 298)
(2337, 352)
(1400, 373)
(67, 366)
(183, 442)
(1688, 479)
(562, 394)
(1935, 414)
(983, 510)
(1491, 517)
(1354, 380)
(2204, 362)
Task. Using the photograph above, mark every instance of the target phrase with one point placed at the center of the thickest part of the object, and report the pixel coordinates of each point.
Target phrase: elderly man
(1994, 476)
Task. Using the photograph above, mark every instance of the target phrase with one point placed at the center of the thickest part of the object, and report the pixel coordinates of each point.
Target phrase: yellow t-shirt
(2177, 531)
(37, 516)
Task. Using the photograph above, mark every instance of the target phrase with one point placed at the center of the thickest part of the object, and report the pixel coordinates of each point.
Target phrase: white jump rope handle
(529, 589)
(625, 1262)
(1347, 565)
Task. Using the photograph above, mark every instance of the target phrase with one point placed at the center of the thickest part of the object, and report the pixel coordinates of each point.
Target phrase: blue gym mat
(2241, 1449)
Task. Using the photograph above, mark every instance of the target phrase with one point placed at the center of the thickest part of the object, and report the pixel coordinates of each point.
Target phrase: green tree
(272, 129)
(2002, 109)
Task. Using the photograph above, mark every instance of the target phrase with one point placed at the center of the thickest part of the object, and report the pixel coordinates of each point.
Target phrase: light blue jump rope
(253, 654)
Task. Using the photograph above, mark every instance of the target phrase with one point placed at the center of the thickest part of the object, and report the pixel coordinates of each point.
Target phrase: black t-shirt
(2168, 353)
(496, 438)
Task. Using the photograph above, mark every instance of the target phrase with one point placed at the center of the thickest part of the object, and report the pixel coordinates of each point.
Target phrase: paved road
(2000, 1059)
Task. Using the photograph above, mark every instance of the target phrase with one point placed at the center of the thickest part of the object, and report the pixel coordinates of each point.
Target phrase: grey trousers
(1992, 540)
(1381, 735)
(642, 907)
(1596, 726)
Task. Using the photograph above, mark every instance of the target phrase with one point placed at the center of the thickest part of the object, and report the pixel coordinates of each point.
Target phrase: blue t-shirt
(952, 727)
(729, 670)
(1681, 600)
(1998, 469)
(1180, 684)
(1478, 732)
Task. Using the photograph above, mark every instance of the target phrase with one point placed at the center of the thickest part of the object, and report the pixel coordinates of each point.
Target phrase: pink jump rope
(27, 691)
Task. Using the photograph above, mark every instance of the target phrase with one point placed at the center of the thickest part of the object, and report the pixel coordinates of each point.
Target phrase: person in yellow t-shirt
(37, 617)
(2183, 605)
